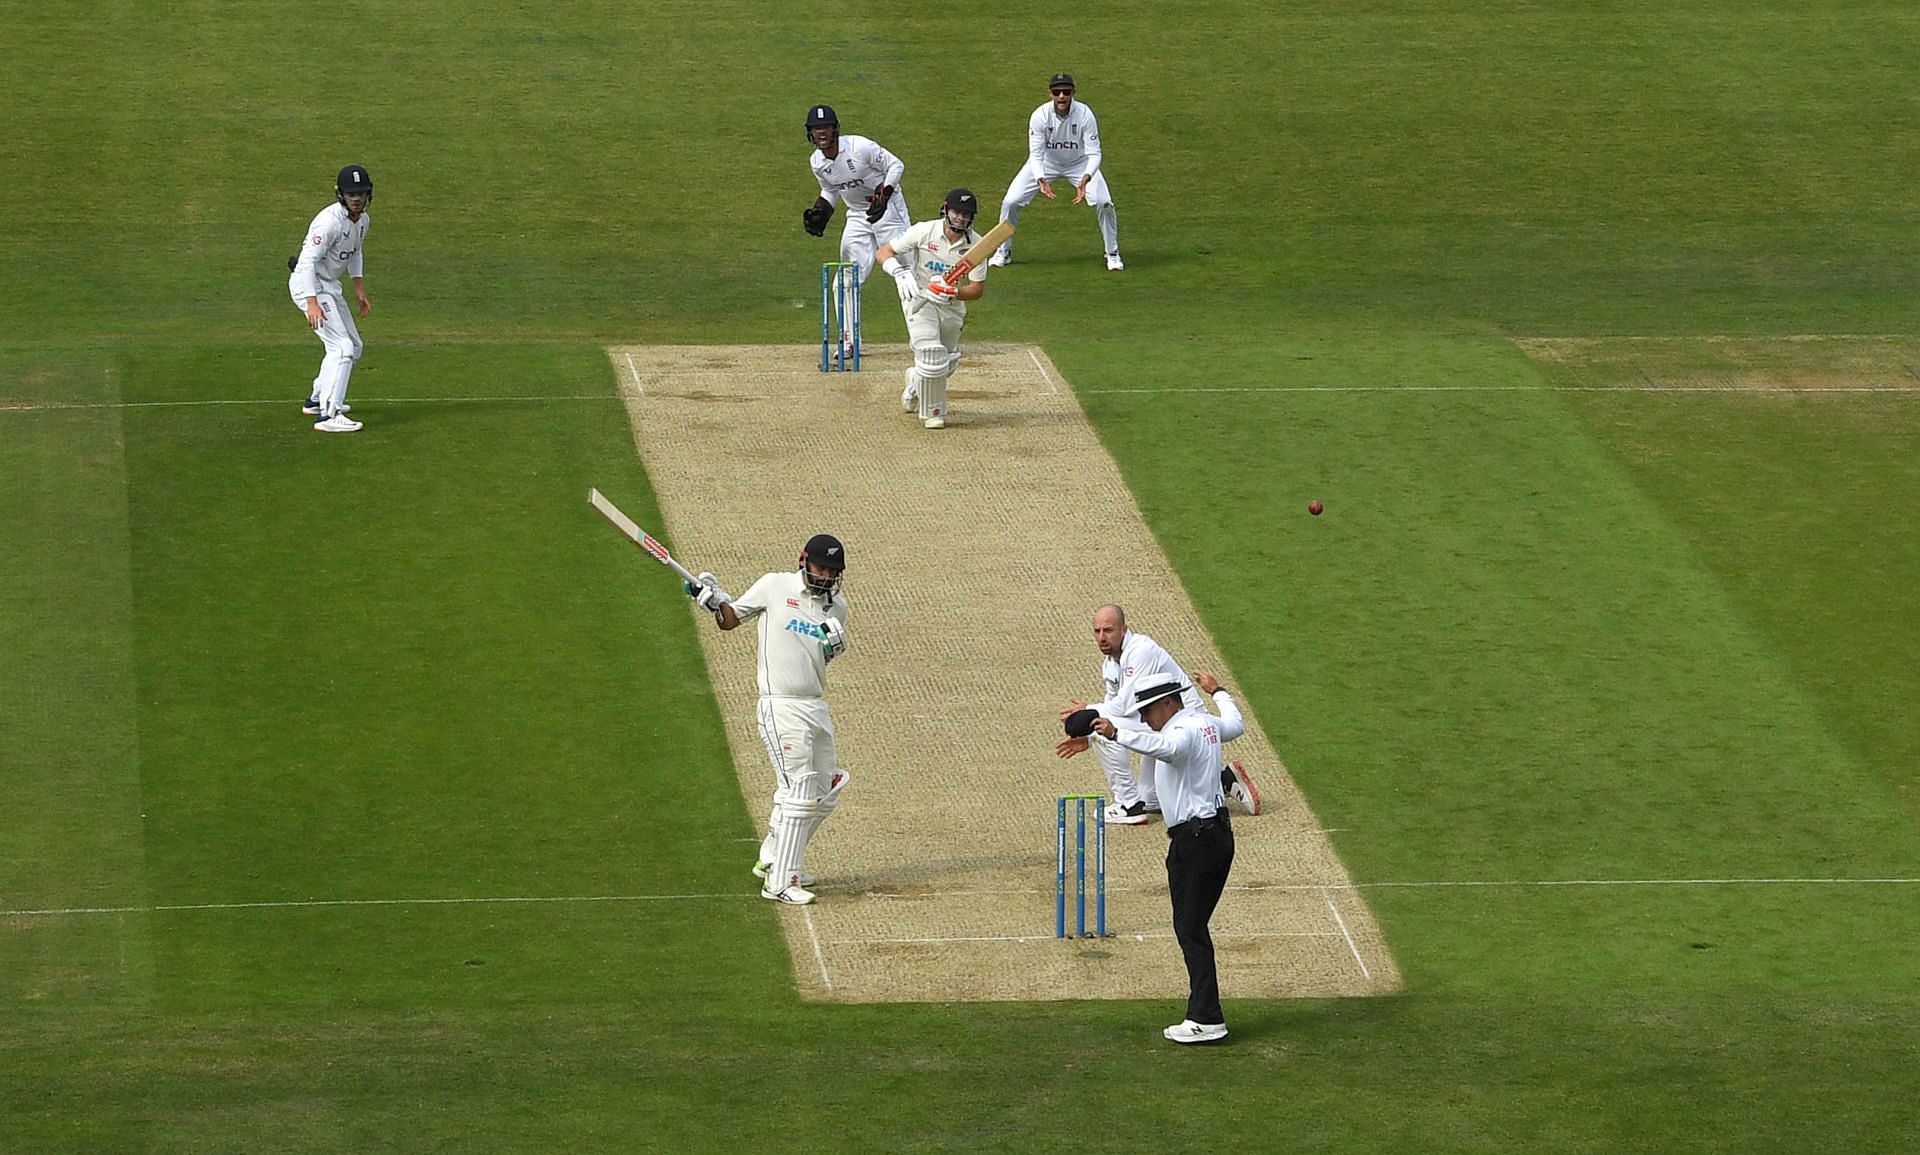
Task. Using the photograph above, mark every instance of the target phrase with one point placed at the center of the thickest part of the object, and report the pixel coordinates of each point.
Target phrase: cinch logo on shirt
(802, 626)
(1067, 144)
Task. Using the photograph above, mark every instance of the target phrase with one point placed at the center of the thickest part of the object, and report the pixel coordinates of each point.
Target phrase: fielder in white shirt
(803, 625)
(1063, 143)
(863, 176)
(335, 244)
(936, 310)
(1130, 660)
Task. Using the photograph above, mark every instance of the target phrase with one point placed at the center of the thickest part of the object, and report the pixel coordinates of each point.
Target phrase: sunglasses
(1062, 91)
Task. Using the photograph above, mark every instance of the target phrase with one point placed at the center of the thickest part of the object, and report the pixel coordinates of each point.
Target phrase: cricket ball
(1314, 508)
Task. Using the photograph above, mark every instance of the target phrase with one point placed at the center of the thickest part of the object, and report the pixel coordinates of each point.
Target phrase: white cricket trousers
(341, 338)
(860, 240)
(798, 735)
(1026, 186)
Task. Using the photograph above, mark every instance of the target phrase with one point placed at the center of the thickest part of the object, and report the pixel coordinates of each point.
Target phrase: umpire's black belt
(1193, 826)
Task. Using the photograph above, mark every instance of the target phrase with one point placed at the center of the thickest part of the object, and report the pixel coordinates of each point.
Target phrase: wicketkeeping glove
(816, 215)
(877, 203)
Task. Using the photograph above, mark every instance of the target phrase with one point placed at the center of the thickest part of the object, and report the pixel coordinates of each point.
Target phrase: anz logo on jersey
(938, 268)
(806, 628)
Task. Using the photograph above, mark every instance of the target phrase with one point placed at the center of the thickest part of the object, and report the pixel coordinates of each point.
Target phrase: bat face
(996, 236)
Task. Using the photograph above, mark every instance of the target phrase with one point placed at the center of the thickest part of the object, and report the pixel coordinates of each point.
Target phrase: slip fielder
(334, 244)
(1063, 143)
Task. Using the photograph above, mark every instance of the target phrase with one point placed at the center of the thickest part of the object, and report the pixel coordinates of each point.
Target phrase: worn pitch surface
(977, 555)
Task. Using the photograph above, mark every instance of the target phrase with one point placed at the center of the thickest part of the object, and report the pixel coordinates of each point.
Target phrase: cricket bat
(636, 535)
(978, 254)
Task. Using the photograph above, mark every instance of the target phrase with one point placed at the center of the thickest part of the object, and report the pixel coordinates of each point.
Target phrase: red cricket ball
(1314, 508)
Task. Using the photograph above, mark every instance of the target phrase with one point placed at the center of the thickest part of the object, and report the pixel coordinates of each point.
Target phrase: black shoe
(311, 406)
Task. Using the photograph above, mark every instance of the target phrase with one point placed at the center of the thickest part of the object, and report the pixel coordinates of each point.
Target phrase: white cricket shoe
(910, 396)
(935, 422)
(793, 894)
(1001, 259)
(338, 423)
(1135, 815)
(1114, 263)
(1188, 1031)
(1238, 785)
(761, 868)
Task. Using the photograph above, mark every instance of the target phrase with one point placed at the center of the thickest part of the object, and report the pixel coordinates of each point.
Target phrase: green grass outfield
(256, 684)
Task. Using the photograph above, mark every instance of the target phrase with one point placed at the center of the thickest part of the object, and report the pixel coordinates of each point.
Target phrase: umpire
(1186, 740)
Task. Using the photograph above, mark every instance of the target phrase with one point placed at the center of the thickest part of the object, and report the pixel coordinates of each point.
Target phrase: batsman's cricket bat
(636, 535)
(977, 255)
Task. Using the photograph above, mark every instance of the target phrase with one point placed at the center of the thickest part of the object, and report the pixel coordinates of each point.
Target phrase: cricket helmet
(822, 116)
(825, 551)
(353, 179)
(961, 200)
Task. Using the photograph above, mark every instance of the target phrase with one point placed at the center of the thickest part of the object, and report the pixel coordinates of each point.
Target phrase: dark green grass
(1535, 638)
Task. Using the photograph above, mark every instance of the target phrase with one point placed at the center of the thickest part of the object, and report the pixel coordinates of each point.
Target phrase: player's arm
(815, 216)
(900, 268)
(356, 269)
(732, 613)
(974, 286)
(1090, 147)
(1232, 725)
(306, 279)
(891, 169)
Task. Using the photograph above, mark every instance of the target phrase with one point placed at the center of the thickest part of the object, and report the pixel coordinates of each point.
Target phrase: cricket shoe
(910, 396)
(760, 870)
(1188, 1031)
(1238, 785)
(935, 422)
(1000, 259)
(1114, 263)
(338, 423)
(1135, 815)
(793, 894)
(311, 407)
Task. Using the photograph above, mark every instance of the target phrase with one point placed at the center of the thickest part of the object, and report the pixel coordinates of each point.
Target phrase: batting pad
(936, 876)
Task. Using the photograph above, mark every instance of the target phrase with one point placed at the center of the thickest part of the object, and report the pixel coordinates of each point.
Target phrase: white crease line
(1735, 390)
(1591, 882)
(320, 902)
(818, 956)
(1044, 375)
(52, 405)
(639, 386)
(1140, 937)
(1317, 886)
(1346, 934)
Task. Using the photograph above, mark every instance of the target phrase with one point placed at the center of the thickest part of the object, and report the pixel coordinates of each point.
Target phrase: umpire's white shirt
(333, 246)
(792, 662)
(1063, 146)
(860, 167)
(1187, 753)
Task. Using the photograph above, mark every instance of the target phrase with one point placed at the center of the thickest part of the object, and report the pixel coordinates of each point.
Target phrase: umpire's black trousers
(1199, 855)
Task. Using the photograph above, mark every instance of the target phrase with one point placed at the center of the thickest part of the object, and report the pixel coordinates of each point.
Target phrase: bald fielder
(935, 310)
(1063, 143)
(1129, 661)
(335, 244)
(803, 626)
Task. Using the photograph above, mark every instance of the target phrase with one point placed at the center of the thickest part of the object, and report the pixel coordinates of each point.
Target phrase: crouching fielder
(333, 246)
(935, 310)
(803, 626)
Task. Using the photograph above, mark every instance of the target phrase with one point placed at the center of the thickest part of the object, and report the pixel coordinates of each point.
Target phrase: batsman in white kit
(919, 260)
(335, 244)
(1063, 143)
(1130, 660)
(803, 626)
